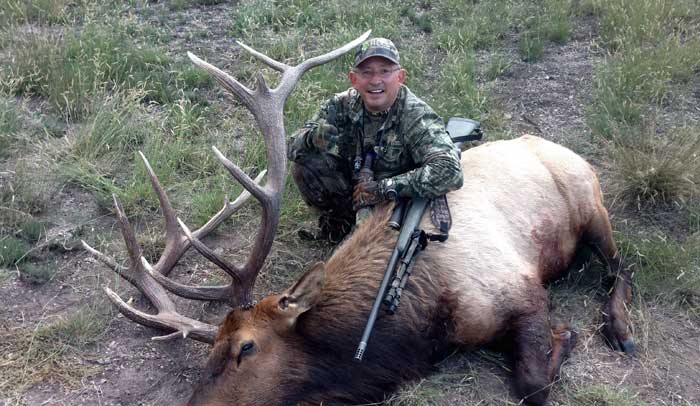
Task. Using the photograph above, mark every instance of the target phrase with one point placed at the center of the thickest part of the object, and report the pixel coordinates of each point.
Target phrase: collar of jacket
(356, 107)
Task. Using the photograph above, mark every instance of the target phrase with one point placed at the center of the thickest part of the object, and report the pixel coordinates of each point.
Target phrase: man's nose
(376, 78)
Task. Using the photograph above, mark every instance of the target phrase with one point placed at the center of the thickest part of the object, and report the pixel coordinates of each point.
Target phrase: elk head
(246, 320)
(258, 357)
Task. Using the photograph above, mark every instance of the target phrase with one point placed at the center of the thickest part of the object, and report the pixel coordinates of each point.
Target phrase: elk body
(525, 208)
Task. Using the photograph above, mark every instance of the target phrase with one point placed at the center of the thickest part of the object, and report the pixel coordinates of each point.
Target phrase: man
(377, 119)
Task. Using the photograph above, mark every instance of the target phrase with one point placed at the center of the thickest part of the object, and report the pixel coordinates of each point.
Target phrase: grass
(73, 71)
(36, 11)
(604, 396)
(668, 269)
(498, 66)
(477, 26)
(653, 169)
(458, 93)
(36, 273)
(10, 124)
(52, 353)
(13, 251)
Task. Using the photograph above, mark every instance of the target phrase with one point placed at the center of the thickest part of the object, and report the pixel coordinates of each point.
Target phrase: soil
(544, 98)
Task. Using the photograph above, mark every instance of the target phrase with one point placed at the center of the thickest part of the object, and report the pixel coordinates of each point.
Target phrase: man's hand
(367, 193)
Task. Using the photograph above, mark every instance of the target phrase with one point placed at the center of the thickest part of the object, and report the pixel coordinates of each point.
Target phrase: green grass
(53, 353)
(74, 70)
(10, 124)
(458, 94)
(13, 251)
(498, 66)
(475, 25)
(604, 396)
(531, 46)
(668, 269)
(35, 11)
(36, 273)
(32, 230)
(652, 169)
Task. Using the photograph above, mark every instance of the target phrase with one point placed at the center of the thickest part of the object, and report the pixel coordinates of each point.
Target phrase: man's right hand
(367, 193)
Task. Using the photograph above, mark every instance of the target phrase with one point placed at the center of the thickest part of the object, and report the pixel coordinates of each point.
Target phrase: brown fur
(480, 286)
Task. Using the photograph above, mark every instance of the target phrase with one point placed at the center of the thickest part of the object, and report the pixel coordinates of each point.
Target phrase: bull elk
(525, 207)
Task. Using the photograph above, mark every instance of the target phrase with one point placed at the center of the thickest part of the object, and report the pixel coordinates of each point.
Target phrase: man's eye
(384, 72)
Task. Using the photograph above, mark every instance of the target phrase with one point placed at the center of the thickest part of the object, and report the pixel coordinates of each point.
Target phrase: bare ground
(546, 98)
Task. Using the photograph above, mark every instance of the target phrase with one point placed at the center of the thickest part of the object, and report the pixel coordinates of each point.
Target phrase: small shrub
(498, 65)
(658, 169)
(667, 269)
(13, 251)
(531, 46)
(33, 230)
(557, 20)
(36, 273)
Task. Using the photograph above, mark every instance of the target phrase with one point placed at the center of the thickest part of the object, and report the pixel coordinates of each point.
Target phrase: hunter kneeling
(374, 142)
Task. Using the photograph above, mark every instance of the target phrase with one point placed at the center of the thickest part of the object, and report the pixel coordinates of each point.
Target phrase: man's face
(378, 81)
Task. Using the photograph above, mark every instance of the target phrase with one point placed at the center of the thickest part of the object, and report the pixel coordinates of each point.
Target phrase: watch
(389, 189)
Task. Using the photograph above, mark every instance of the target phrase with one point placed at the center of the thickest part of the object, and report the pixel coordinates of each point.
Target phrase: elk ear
(304, 294)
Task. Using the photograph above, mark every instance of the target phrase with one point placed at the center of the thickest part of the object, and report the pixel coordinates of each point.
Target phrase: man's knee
(325, 182)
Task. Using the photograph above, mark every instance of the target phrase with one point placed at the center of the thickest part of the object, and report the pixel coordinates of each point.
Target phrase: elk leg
(539, 353)
(617, 328)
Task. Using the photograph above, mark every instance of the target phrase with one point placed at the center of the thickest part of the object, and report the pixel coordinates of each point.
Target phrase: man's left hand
(367, 193)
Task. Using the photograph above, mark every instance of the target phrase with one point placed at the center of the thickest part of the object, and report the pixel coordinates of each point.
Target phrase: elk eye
(247, 346)
(246, 349)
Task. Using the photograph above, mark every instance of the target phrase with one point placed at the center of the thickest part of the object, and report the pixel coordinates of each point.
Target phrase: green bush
(658, 169)
(667, 268)
(13, 251)
(36, 273)
(531, 46)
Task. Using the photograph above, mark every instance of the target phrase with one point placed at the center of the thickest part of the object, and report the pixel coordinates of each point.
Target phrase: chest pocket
(391, 152)
(393, 158)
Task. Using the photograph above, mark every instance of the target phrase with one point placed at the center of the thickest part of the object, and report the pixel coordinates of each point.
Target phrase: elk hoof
(620, 343)
(628, 346)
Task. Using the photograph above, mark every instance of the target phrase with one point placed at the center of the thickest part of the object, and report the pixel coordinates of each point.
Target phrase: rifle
(406, 249)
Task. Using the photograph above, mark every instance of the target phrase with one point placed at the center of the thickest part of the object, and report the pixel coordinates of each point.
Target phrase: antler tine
(229, 268)
(223, 293)
(183, 326)
(295, 73)
(167, 317)
(240, 176)
(278, 66)
(244, 94)
(227, 210)
(329, 56)
(175, 243)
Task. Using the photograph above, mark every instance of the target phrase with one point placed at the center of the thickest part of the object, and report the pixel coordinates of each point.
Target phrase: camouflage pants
(325, 183)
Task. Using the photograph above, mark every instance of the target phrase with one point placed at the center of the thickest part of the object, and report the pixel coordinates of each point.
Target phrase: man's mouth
(376, 91)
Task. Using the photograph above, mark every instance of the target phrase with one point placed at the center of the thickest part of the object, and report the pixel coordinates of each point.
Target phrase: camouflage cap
(377, 47)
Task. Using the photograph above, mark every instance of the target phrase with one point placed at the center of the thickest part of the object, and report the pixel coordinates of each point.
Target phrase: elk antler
(267, 106)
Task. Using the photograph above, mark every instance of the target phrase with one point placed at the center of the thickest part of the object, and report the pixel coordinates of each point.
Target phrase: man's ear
(352, 75)
(303, 295)
(402, 75)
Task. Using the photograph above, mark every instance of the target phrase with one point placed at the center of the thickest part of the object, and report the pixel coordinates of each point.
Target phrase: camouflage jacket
(412, 145)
